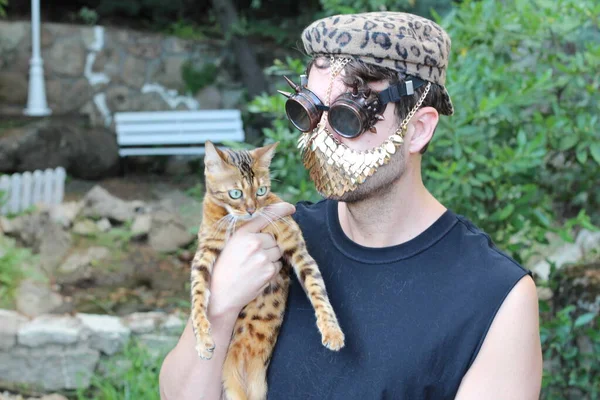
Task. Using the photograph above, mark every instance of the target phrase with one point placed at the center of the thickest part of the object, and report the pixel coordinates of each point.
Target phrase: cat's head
(238, 180)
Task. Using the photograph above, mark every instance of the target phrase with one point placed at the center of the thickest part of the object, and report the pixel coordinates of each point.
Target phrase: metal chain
(337, 65)
(412, 112)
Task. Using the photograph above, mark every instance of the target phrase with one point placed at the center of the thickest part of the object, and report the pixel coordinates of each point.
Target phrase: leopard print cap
(400, 41)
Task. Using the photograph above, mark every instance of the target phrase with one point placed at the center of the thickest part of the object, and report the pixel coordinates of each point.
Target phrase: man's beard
(343, 174)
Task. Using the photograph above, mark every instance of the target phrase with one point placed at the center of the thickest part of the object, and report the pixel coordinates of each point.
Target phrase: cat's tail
(252, 385)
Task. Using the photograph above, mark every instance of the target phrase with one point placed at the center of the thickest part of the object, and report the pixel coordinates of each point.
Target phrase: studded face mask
(337, 169)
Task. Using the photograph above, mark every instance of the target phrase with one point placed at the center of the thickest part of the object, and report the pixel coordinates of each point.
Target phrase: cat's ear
(213, 157)
(263, 155)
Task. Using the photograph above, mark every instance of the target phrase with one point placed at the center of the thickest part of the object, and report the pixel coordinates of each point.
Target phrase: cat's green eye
(235, 193)
(261, 191)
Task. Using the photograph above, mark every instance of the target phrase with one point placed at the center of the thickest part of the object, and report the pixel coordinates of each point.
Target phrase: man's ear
(423, 125)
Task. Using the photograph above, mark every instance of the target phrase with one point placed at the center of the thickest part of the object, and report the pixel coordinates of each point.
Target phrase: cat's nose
(251, 210)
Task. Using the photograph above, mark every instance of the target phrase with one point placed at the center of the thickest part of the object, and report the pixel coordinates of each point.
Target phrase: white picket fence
(21, 191)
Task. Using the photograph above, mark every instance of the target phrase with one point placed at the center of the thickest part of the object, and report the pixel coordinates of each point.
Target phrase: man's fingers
(267, 240)
(278, 265)
(271, 213)
(273, 254)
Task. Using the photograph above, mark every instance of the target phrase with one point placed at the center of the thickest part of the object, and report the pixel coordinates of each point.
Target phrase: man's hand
(248, 262)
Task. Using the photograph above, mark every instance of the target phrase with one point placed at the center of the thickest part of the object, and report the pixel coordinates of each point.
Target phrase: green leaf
(582, 156)
(595, 152)
(584, 319)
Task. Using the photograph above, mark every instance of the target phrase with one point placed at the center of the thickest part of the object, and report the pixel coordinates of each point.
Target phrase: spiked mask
(334, 167)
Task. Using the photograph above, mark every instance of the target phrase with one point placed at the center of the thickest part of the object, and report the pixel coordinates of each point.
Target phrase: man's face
(318, 82)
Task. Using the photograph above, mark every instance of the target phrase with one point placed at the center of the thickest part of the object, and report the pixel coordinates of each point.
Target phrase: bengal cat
(238, 187)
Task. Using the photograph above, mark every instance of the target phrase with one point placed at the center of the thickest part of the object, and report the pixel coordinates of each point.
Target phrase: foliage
(88, 16)
(569, 370)
(419, 7)
(526, 96)
(15, 265)
(197, 79)
(157, 13)
(3, 4)
(130, 377)
(290, 180)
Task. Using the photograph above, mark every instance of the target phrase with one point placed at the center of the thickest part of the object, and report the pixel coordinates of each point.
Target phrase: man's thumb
(267, 215)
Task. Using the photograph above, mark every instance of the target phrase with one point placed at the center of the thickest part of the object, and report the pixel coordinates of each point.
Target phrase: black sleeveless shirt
(415, 315)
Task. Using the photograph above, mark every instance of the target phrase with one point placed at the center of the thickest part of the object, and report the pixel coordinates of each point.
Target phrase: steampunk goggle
(351, 114)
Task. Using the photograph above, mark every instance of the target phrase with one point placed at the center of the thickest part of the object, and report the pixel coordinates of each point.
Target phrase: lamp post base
(36, 100)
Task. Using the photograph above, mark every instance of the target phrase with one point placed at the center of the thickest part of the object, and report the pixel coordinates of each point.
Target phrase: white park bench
(175, 132)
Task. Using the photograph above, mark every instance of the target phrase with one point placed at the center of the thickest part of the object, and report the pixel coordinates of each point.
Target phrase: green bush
(522, 145)
(197, 79)
(131, 376)
(570, 372)
(15, 265)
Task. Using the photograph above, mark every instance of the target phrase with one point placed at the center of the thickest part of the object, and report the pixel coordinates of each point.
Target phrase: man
(430, 308)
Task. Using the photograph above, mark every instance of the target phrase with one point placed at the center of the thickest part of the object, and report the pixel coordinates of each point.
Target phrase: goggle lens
(298, 115)
(345, 122)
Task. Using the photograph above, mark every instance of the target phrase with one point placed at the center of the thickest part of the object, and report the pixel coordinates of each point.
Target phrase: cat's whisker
(221, 224)
(231, 227)
(276, 217)
(271, 221)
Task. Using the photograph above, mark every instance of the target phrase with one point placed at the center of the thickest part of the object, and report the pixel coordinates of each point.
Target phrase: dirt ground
(136, 278)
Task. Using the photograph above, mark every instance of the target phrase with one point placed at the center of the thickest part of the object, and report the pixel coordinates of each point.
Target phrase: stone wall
(98, 71)
(61, 352)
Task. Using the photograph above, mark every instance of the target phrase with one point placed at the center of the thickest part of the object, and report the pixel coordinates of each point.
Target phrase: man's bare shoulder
(509, 364)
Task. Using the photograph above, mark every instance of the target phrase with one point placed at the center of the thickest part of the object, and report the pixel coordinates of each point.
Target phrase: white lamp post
(36, 100)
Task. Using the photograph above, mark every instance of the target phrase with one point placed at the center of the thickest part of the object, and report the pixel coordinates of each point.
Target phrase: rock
(54, 396)
(144, 322)
(568, 253)
(36, 298)
(188, 208)
(232, 98)
(580, 285)
(51, 329)
(99, 203)
(544, 293)
(68, 141)
(168, 232)
(103, 225)
(11, 226)
(66, 59)
(588, 241)
(79, 266)
(119, 98)
(134, 72)
(157, 345)
(141, 225)
(145, 47)
(49, 368)
(108, 334)
(46, 238)
(12, 34)
(85, 227)
(209, 98)
(173, 325)
(13, 88)
(65, 213)
(10, 322)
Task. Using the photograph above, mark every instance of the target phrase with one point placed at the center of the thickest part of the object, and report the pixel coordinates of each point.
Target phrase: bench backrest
(164, 132)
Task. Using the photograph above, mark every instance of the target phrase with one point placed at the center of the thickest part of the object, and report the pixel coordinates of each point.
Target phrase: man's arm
(185, 376)
(509, 364)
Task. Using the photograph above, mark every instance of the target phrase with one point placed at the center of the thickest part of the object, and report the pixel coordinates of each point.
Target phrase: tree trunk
(252, 74)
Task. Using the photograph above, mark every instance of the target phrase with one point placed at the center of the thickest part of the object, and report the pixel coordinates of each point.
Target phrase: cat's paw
(332, 337)
(205, 346)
